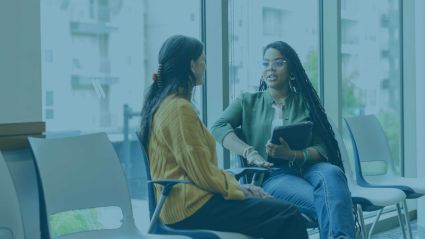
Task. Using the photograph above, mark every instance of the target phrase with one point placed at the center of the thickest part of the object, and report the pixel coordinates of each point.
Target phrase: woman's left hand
(254, 191)
(282, 151)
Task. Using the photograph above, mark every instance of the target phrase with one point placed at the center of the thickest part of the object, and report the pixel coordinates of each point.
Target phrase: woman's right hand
(254, 159)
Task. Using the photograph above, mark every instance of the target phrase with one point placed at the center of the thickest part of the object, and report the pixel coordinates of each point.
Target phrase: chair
(11, 226)
(370, 145)
(365, 198)
(84, 172)
(155, 207)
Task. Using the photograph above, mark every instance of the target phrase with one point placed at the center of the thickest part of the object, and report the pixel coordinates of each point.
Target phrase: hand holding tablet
(297, 135)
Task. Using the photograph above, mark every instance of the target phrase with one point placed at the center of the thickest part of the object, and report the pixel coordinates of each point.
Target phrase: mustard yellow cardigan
(180, 147)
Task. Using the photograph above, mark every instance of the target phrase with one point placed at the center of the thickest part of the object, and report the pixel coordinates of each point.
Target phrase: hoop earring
(292, 80)
(263, 84)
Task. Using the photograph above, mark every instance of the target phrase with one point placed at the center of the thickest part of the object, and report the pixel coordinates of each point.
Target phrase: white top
(278, 116)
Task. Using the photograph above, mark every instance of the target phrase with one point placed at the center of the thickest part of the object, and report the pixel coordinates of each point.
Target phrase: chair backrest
(151, 192)
(11, 226)
(81, 172)
(370, 144)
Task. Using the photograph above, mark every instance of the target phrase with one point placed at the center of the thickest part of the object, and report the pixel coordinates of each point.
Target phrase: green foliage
(351, 104)
(74, 221)
(391, 124)
(312, 68)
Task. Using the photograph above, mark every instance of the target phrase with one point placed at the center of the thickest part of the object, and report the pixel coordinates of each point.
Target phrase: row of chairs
(75, 173)
(84, 172)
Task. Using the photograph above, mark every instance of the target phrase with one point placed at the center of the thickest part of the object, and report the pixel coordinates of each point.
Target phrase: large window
(371, 63)
(98, 57)
(254, 24)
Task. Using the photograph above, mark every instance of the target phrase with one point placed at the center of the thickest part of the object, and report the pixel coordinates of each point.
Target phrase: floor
(111, 219)
(396, 233)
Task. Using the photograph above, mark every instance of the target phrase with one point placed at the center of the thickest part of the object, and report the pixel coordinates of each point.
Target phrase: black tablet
(297, 135)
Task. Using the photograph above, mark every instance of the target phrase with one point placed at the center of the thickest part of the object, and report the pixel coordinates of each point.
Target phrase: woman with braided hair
(180, 147)
(313, 178)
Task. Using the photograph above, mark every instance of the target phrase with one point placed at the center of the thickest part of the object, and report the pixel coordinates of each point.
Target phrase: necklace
(280, 102)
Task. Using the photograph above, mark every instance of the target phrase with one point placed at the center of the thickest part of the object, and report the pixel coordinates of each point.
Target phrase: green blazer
(253, 114)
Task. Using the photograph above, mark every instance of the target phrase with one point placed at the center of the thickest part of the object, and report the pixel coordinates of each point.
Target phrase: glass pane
(370, 52)
(98, 57)
(254, 24)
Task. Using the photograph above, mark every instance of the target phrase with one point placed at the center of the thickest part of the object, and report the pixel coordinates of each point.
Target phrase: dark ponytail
(173, 74)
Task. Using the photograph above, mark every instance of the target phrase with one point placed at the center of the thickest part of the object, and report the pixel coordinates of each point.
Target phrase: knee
(336, 172)
(330, 177)
(331, 172)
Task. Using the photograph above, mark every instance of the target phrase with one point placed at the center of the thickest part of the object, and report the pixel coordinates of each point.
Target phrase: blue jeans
(321, 192)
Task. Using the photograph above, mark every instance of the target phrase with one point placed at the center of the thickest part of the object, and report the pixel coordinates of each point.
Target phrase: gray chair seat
(116, 234)
(380, 197)
(418, 185)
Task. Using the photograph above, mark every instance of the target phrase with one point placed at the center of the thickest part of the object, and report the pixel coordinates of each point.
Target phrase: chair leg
(361, 218)
(407, 219)
(378, 215)
(400, 220)
(155, 216)
(254, 178)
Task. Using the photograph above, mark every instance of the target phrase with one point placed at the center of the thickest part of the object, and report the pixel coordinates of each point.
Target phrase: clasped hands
(254, 191)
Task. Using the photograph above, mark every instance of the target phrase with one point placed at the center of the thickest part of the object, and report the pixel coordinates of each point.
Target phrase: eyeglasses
(274, 64)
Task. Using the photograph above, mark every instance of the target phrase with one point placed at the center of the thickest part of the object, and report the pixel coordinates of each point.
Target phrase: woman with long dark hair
(313, 178)
(180, 147)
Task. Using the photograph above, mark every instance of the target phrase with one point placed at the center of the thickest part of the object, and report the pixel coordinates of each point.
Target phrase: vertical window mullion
(217, 53)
